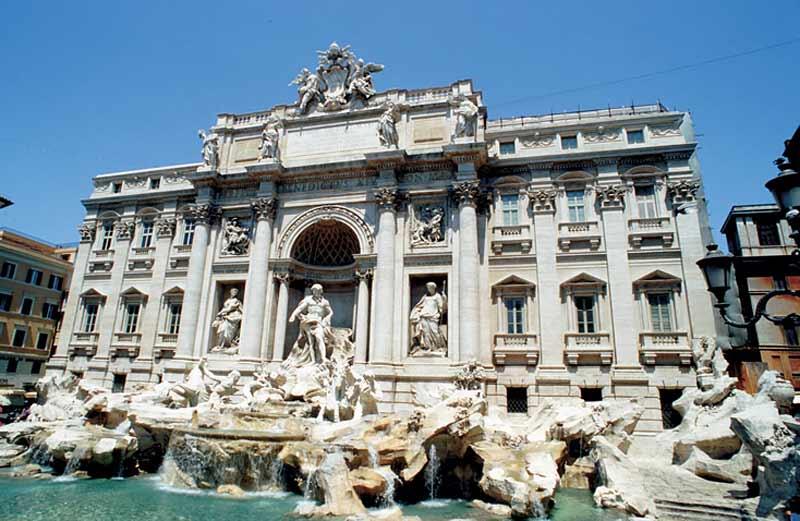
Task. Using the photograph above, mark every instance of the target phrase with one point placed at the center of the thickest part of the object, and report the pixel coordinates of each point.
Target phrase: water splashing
(432, 477)
(387, 496)
(73, 464)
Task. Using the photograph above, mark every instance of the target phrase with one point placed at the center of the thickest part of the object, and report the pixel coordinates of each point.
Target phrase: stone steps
(698, 510)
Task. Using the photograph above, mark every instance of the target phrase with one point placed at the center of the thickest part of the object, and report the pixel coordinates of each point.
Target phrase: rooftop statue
(210, 148)
(467, 116)
(341, 80)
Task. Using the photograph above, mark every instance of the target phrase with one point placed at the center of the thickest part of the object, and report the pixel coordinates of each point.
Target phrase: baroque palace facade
(562, 248)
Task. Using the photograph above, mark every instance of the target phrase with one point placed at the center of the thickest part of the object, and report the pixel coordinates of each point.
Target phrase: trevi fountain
(330, 374)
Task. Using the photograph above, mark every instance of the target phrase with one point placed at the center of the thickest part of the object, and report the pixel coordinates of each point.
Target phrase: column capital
(363, 275)
(283, 277)
(264, 208)
(124, 229)
(466, 192)
(87, 231)
(542, 200)
(202, 213)
(611, 196)
(388, 198)
(684, 191)
(165, 226)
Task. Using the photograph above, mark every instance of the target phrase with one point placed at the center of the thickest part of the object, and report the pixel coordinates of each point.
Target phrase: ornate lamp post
(716, 266)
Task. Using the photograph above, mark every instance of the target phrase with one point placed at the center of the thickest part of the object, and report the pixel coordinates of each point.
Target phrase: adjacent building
(34, 277)
(562, 247)
(758, 238)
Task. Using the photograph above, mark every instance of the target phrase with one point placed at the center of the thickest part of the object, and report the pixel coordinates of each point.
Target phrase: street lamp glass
(716, 267)
(785, 189)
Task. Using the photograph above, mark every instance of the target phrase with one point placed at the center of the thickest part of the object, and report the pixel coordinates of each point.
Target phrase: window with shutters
(26, 308)
(660, 311)
(5, 301)
(8, 270)
(646, 201)
(510, 204)
(585, 310)
(515, 315)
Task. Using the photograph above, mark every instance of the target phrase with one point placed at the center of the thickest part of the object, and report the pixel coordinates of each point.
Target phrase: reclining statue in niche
(317, 341)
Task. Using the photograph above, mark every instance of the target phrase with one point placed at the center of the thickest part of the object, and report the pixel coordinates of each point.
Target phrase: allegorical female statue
(227, 323)
(427, 338)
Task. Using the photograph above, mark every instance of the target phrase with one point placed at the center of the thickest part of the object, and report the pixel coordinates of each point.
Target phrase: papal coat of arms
(341, 81)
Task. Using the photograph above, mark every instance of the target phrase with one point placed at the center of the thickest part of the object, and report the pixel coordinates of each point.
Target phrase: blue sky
(97, 86)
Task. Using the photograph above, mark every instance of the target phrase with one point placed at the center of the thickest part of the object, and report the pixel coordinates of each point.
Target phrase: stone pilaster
(543, 206)
(255, 301)
(279, 351)
(165, 231)
(362, 315)
(203, 215)
(623, 318)
(466, 194)
(692, 247)
(72, 311)
(385, 275)
(107, 324)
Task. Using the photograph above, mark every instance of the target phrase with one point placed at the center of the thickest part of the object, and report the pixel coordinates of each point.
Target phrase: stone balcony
(126, 345)
(83, 344)
(102, 260)
(166, 345)
(665, 348)
(588, 348)
(577, 234)
(658, 230)
(516, 349)
(180, 256)
(516, 237)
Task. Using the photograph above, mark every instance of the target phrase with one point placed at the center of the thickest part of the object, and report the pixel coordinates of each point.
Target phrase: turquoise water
(146, 499)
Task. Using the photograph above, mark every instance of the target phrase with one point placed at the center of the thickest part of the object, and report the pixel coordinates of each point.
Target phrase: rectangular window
(517, 400)
(55, 282)
(155, 183)
(34, 277)
(49, 311)
(41, 341)
(660, 311)
(131, 317)
(147, 234)
(5, 301)
(592, 394)
(36, 367)
(768, 232)
(107, 236)
(12, 365)
(507, 148)
(576, 206)
(569, 142)
(8, 270)
(27, 306)
(90, 317)
(515, 315)
(646, 201)
(635, 137)
(118, 385)
(116, 187)
(188, 231)
(19, 337)
(510, 203)
(584, 306)
(174, 318)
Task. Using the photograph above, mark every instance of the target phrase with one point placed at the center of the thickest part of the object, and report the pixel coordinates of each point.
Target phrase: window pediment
(584, 281)
(174, 291)
(92, 293)
(657, 279)
(513, 284)
(134, 293)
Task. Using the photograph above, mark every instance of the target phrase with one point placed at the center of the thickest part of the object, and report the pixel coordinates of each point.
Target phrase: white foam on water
(435, 503)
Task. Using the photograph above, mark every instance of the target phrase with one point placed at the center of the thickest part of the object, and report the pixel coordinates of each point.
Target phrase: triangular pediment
(174, 290)
(133, 291)
(513, 280)
(92, 293)
(657, 278)
(583, 280)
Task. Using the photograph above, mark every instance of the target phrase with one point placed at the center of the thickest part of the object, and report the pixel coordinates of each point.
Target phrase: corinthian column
(281, 315)
(362, 315)
(466, 194)
(202, 214)
(384, 276)
(255, 301)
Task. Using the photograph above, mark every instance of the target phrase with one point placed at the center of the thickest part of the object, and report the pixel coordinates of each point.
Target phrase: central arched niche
(328, 243)
(324, 252)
